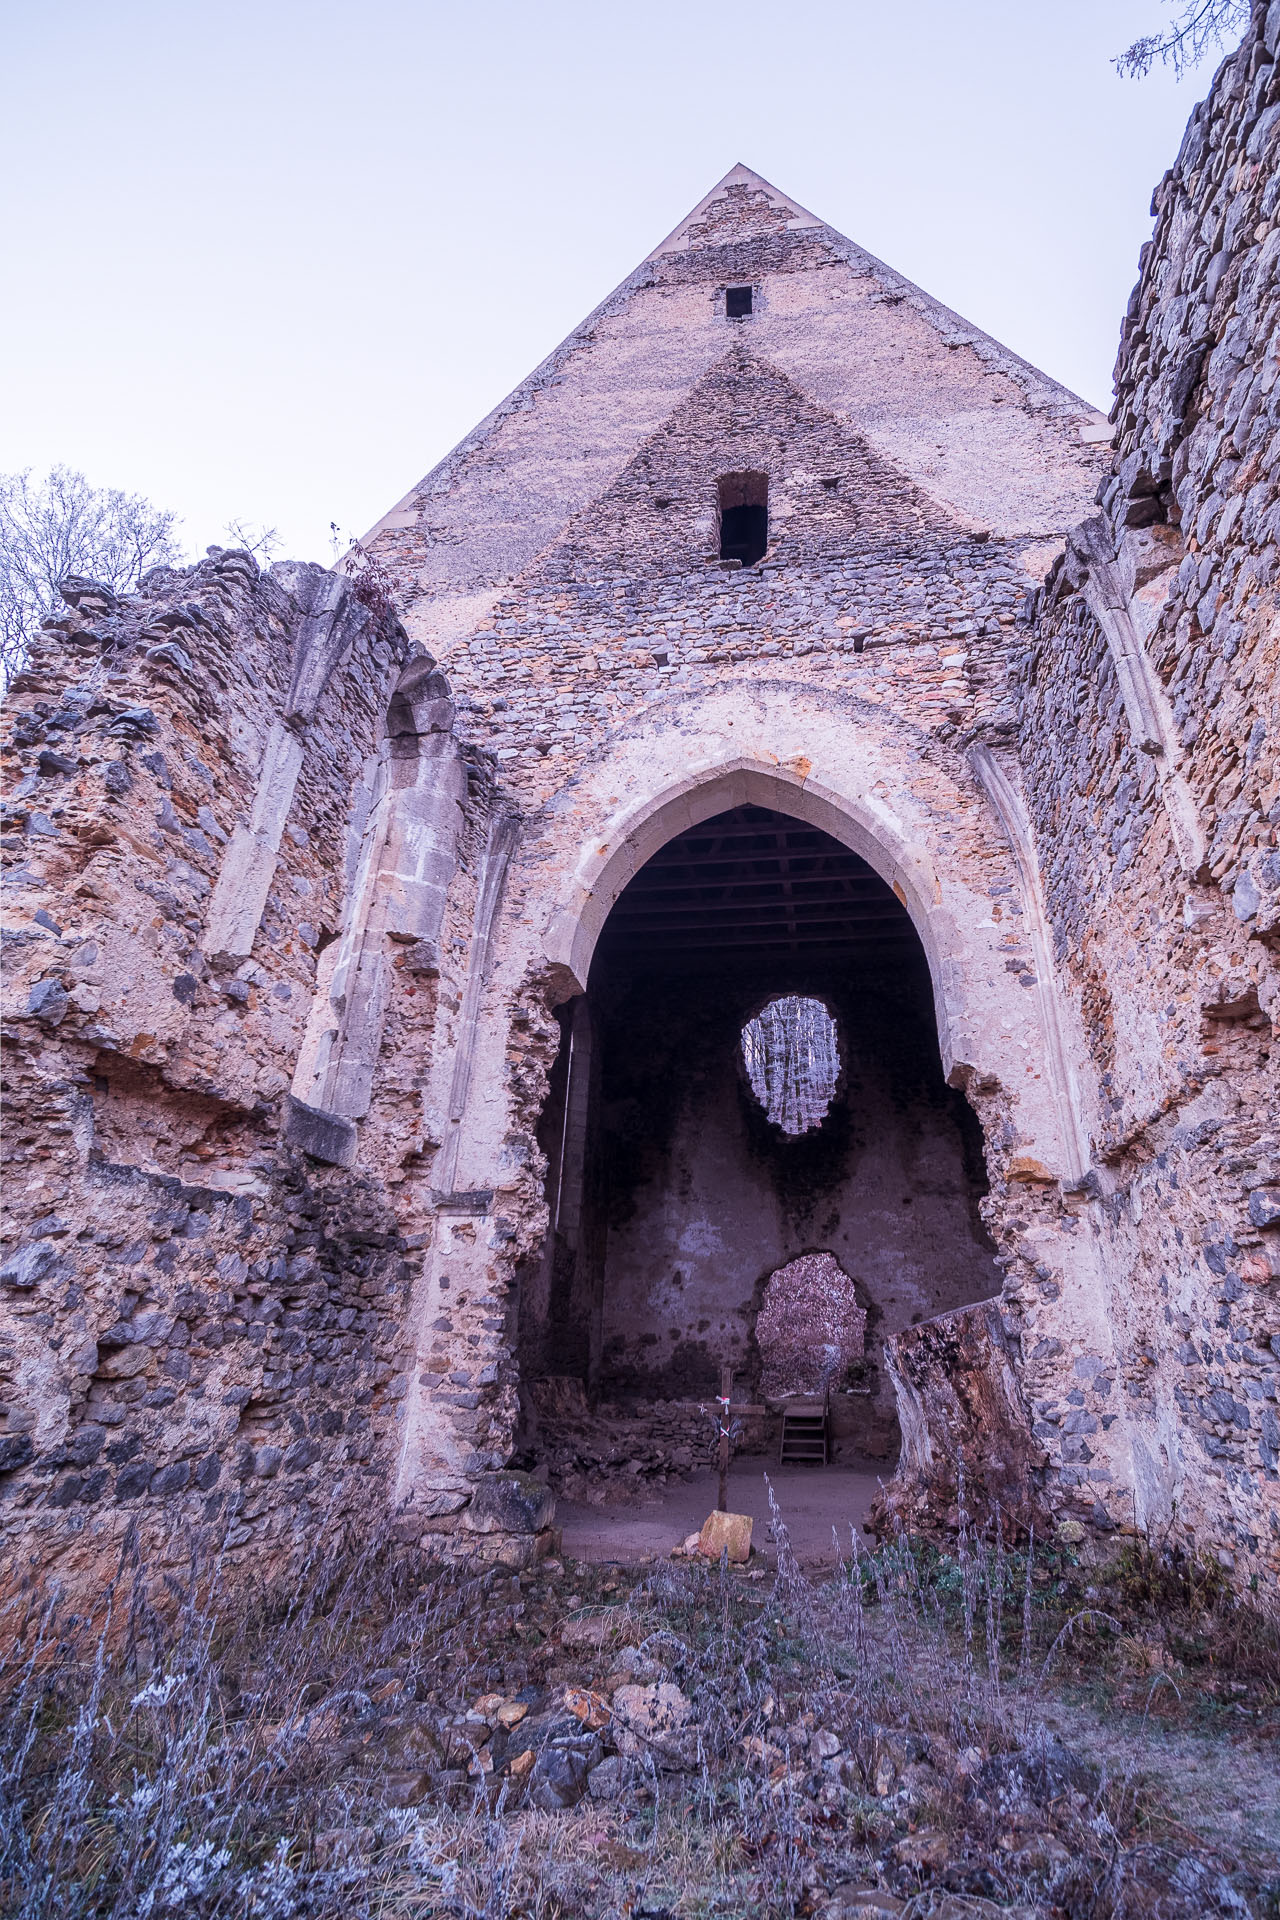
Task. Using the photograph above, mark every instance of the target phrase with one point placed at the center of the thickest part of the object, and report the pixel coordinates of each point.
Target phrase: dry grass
(885, 1729)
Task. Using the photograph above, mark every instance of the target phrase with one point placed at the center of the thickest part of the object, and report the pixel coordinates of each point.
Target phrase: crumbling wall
(203, 1326)
(1148, 748)
(966, 1434)
(564, 564)
(910, 617)
(286, 941)
(810, 1330)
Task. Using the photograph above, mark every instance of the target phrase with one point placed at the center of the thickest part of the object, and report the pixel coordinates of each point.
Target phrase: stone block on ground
(510, 1502)
(925, 1851)
(406, 1787)
(590, 1631)
(591, 1708)
(654, 1709)
(612, 1778)
(867, 1903)
(726, 1532)
(655, 1720)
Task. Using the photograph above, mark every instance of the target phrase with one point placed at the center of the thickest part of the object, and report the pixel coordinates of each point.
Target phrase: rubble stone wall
(291, 912)
(1149, 750)
(203, 1328)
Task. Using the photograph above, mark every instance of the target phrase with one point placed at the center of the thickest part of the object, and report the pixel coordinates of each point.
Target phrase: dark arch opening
(675, 1197)
(744, 517)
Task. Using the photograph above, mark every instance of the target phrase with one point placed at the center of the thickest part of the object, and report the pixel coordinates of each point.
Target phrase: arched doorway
(675, 1192)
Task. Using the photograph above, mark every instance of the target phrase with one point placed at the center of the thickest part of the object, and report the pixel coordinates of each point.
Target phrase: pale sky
(272, 258)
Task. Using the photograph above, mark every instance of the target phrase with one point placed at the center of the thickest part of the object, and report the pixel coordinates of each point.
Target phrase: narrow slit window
(792, 1056)
(737, 303)
(744, 517)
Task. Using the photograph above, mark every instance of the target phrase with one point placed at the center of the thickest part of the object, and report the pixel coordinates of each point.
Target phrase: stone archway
(674, 1188)
(926, 823)
(605, 865)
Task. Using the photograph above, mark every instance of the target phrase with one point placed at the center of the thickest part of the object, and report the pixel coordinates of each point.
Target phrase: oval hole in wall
(792, 1056)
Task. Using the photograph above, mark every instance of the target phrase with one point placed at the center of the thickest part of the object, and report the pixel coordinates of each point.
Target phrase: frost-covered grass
(190, 1754)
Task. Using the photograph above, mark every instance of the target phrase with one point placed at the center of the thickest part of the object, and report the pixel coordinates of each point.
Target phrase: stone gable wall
(741, 213)
(969, 422)
(828, 492)
(919, 629)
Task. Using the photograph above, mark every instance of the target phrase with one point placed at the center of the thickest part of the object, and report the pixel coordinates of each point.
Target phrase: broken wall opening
(675, 1196)
(791, 1051)
(811, 1333)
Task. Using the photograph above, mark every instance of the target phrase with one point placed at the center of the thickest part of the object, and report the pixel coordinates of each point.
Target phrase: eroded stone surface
(726, 1533)
(303, 904)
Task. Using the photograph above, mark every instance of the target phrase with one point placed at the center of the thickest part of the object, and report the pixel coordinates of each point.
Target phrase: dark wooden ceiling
(751, 880)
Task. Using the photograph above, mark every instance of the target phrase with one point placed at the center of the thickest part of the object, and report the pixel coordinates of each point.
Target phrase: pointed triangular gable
(742, 201)
(993, 443)
(829, 493)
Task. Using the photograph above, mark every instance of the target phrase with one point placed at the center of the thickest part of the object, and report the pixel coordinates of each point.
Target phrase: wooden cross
(726, 1389)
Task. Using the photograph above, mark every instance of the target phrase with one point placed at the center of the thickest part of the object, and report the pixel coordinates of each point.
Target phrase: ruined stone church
(795, 790)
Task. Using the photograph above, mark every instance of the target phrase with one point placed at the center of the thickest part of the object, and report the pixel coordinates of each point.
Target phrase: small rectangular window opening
(831, 485)
(737, 302)
(744, 517)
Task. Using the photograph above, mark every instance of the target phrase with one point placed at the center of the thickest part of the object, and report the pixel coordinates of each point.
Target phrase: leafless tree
(61, 525)
(246, 535)
(1199, 27)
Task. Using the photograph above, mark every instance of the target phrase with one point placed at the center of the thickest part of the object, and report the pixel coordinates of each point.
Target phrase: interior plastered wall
(704, 1197)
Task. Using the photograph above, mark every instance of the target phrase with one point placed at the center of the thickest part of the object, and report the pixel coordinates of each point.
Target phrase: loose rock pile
(601, 1723)
(627, 1713)
(810, 1329)
(600, 1744)
(622, 1457)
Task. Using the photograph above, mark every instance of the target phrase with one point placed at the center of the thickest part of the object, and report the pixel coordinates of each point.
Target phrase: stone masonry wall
(1149, 749)
(284, 937)
(564, 564)
(633, 600)
(202, 1327)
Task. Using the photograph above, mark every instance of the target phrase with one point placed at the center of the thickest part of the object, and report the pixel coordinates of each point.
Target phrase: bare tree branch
(249, 537)
(61, 525)
(1201, 26)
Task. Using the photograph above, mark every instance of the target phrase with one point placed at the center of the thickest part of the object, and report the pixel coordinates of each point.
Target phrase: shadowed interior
(744, 517)
(674, 1197)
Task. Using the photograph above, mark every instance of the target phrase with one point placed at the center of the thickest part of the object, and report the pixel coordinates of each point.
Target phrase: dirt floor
(813, 1500)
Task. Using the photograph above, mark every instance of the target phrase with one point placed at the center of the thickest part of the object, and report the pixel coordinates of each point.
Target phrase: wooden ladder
(804, 1434)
